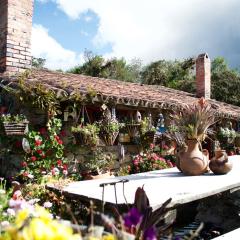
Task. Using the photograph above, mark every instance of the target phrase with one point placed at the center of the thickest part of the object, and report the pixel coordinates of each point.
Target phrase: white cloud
(45, 46)
(153, 29)
(88, 18)
(84, 33)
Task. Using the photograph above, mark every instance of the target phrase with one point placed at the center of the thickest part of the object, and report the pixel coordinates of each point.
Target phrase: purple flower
(132, 218)
(150, 234)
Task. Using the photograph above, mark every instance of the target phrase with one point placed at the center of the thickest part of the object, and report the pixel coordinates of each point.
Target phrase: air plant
(195, 119)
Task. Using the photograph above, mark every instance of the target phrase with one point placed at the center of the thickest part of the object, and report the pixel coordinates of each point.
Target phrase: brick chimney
(15, 35)
(203, 76)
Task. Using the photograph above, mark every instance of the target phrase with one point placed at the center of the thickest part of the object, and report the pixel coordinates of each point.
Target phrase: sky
(149, 30)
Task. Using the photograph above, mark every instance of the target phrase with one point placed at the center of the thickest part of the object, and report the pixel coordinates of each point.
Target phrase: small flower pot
(12, 128)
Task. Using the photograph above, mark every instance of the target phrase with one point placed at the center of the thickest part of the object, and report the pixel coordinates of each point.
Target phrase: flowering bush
(45, 153)
(149, 160)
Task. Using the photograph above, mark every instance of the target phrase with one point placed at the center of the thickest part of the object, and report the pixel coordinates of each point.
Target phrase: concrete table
(159, 185)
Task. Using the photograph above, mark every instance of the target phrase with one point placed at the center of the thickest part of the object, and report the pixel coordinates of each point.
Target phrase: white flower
(30, 176)
(11, 212)
(5, 224)
(55, 171)
(33, 201)
(47, 205)
(2, 191)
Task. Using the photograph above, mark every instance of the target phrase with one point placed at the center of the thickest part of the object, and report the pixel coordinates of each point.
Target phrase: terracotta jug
(193, 161)
(220, 163)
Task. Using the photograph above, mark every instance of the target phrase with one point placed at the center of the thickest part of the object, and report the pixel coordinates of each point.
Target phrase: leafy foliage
(97, 66)
(195, 119)
(174, 74)
(225, 82)
(45, 155)
(38, 62)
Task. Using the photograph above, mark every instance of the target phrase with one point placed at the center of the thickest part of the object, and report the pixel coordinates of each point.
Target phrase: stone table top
(159, 185)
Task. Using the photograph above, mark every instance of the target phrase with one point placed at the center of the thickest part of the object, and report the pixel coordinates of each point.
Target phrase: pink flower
(33, 158)
(47, 205)
(165, 147)
(17, 194)
(24, 164)
(152, 146)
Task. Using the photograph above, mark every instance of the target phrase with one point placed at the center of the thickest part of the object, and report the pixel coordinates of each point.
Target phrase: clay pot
(220, 163)
(193, 161)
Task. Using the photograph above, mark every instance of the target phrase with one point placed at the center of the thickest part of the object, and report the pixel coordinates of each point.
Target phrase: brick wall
(203, 76)
(15, 35)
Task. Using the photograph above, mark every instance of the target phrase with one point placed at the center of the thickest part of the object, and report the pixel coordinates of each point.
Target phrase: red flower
(43, 155)
(65, 167)
(33, 158)
(59, 162)
(63, 133)
(60, 142)
(56, 137)
(24, 164)
(43, 131)
(39, 151)
(38, 142)
(25, 174)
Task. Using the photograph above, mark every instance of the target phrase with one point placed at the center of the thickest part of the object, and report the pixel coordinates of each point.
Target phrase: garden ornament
(70, 113)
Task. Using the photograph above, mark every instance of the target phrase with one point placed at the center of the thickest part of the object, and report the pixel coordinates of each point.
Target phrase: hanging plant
(15, 124)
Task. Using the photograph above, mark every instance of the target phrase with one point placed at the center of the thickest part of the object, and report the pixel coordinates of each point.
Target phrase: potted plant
(109, 131)
(15, 124)
(147, 131)
(226, 135)
(193, 124)
(97, 164)
(86, 134)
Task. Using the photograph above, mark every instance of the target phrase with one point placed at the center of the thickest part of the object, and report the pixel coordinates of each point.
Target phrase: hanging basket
(108, 138)
(149, 137)
(83, 140)
(13, 128)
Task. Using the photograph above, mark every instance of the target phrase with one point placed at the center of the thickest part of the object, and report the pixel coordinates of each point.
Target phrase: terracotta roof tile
(150, 96)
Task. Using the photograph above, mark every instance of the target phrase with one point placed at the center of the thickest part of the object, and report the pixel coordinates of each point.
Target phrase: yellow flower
(22, 216)
(109, 237)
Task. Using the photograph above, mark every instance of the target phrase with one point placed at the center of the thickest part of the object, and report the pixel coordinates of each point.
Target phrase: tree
(225, 82)
(38, 62)
(97, 66)
(174, 74)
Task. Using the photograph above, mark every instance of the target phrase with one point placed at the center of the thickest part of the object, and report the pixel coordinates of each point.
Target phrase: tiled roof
(119, 92)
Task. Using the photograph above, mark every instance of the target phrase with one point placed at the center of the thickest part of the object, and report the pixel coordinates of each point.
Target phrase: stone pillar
(203, 76)
(15, 35)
